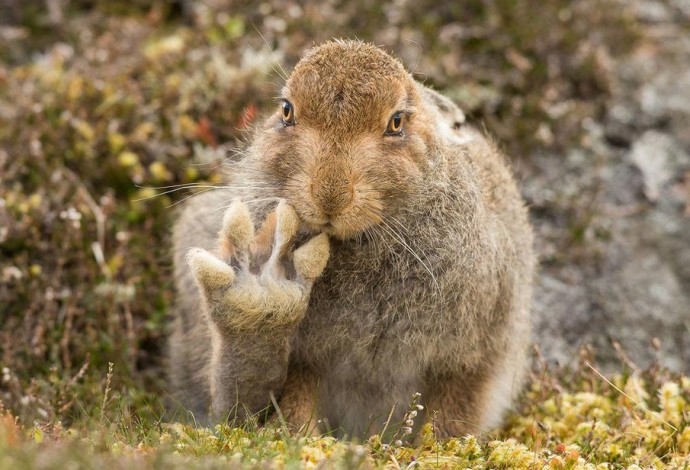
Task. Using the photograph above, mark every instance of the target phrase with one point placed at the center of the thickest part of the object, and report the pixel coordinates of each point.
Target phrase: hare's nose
(333, 194)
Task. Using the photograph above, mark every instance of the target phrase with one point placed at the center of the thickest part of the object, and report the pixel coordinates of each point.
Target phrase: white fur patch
(502, 388)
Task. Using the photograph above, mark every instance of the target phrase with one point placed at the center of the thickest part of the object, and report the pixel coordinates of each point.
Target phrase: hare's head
(349, 141)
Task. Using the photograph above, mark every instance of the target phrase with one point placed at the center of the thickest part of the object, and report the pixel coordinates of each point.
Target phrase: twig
(98, 246)
(108, 379)
(623, 356)
(638, 403)
(281, 418)
(388, 421)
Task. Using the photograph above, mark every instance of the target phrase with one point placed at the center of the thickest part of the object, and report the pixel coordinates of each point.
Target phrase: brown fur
(427, 285)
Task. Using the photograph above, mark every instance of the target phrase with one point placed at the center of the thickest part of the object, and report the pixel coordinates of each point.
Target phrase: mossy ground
(570, 420)
(121, 98)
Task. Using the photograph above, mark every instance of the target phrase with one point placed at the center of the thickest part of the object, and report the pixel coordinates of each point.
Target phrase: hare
(375, 246)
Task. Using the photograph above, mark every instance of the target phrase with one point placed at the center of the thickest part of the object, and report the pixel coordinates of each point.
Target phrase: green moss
(614, 427)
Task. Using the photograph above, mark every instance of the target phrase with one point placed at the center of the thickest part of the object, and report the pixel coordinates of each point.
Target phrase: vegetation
(119, 110)
(570, 420)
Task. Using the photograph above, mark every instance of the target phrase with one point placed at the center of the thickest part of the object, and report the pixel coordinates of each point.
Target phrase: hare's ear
(450, 111)
(452, 126)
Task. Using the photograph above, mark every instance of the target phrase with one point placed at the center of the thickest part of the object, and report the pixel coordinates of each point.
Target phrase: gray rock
(612, 222)
(653, 154)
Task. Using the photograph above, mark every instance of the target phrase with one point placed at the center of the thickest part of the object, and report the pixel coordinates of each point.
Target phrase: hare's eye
(395, 125)
(288, 113)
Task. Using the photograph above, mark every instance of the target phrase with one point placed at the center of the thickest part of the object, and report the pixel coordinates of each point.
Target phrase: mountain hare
(373, 246)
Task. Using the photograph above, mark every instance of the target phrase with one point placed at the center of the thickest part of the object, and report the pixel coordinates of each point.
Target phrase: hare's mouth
(329, 226)
(339, 227)
(348, 223)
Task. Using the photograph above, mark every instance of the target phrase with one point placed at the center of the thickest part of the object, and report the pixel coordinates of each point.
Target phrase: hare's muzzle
(332, 192)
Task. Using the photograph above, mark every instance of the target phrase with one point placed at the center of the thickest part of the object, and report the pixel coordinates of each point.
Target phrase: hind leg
(473, 403)
(456, 404)
(297, 404)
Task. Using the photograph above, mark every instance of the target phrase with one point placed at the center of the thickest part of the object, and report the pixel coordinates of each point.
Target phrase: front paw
(254, 283)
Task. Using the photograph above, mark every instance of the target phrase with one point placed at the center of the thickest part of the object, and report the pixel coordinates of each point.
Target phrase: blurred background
(102, 101)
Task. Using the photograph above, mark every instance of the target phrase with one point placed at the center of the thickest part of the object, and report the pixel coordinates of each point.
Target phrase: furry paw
(255, 282)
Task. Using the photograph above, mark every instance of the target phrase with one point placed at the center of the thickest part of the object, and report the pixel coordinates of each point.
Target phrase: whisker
(402, 228)
(191, 195)
(399, 238)
(208, 188)
(250, 201)
(302, 169)
(419, 56)
(284, 74)
(380, 230)
(182, 185)
(217, 164)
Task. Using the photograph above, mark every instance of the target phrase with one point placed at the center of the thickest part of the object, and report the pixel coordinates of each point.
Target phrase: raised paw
(254, 281)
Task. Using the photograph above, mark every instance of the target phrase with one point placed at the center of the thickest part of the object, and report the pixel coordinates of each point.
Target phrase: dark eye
(395, 125)
(288, 113)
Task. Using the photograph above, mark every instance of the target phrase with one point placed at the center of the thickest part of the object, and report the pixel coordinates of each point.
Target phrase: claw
(260, 248)
(209, 271)
(311, 258)
(237, 232)
(286, 225)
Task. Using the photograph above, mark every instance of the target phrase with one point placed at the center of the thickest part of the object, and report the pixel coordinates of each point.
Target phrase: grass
(565, 420)
(122, 98)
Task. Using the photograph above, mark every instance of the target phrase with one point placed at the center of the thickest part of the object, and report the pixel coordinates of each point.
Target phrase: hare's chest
(366, 370)
(372, 309)
(370, 325)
